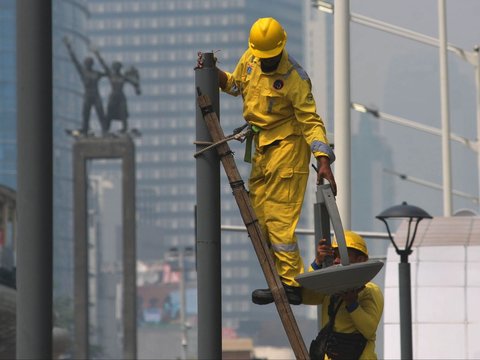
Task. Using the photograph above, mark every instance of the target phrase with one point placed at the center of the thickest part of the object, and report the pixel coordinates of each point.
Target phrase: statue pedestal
(93, 148)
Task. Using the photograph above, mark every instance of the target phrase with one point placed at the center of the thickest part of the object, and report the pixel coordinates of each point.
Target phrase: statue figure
(90, 78)
(117, 102)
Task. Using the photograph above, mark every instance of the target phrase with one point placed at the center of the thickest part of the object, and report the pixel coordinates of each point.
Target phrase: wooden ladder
(253, 228)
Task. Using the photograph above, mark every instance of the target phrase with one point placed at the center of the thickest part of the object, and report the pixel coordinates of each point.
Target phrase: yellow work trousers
(277, 187)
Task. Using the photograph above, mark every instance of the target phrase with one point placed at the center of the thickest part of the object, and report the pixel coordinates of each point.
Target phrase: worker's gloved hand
(350, 296)
(325, 172)
(323, 250)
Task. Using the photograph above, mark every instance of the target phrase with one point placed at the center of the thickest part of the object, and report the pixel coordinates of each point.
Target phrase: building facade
(8, 112)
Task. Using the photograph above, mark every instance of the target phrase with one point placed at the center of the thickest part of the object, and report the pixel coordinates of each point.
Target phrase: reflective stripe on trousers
(277, 187)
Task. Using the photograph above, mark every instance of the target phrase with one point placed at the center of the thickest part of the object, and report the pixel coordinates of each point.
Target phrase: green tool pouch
(248, 144)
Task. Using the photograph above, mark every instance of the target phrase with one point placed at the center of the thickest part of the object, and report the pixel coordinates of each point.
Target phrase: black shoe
(264, 296)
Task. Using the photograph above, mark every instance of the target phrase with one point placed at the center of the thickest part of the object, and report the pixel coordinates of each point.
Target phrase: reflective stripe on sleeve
(318, 146)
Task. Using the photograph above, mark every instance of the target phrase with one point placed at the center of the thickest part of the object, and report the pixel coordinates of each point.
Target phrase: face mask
(270, 64)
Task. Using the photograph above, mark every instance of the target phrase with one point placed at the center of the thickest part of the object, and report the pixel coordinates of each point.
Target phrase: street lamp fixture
(323, 6)
(364, 109)
(431, 185)
(414, 215)
(471, 144)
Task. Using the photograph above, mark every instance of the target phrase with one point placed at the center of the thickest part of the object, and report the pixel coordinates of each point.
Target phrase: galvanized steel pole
(342, 128)
(208, 223)
(405, 296)
(34, 183)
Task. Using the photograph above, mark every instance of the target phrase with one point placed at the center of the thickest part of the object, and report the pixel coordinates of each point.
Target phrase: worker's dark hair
(357, 252)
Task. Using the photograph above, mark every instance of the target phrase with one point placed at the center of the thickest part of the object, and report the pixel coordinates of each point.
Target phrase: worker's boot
(264, 296)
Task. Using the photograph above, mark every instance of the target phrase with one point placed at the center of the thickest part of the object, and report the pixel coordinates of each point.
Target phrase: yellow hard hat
(354, 241)
(267, 38)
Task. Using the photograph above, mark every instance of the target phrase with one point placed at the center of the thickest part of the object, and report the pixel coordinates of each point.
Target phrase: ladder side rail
(253, 228)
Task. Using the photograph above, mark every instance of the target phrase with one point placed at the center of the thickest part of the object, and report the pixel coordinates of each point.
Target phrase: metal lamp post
(414, 214)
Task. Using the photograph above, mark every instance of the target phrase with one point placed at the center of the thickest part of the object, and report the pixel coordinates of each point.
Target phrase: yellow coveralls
(281, 105)
(364, 319)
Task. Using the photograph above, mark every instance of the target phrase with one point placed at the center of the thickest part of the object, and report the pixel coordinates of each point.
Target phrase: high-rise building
(8, 112)
(69, 22)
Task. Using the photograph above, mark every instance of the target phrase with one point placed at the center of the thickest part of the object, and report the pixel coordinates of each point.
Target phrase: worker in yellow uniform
(279, 106)
(355, 313)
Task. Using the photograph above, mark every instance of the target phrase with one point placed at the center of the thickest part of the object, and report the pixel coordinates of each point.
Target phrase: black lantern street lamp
(414, 214)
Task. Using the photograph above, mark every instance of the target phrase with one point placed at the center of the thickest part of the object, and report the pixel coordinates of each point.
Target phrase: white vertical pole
(446, 151)
(477, 84)
(342, 129)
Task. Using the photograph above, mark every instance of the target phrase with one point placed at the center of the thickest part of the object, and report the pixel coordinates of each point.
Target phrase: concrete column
(99, 148)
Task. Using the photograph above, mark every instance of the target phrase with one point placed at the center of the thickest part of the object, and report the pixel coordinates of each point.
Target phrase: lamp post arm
(431, 185)
(393, 29)
(471, 144)
(410, 239)
(468, 56)
(412, 35)
(427, 129)
(409, 242)
(390, 235)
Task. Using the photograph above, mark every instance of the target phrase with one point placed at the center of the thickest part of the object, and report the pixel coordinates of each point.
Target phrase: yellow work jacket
(279, 103)
(364, 319)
